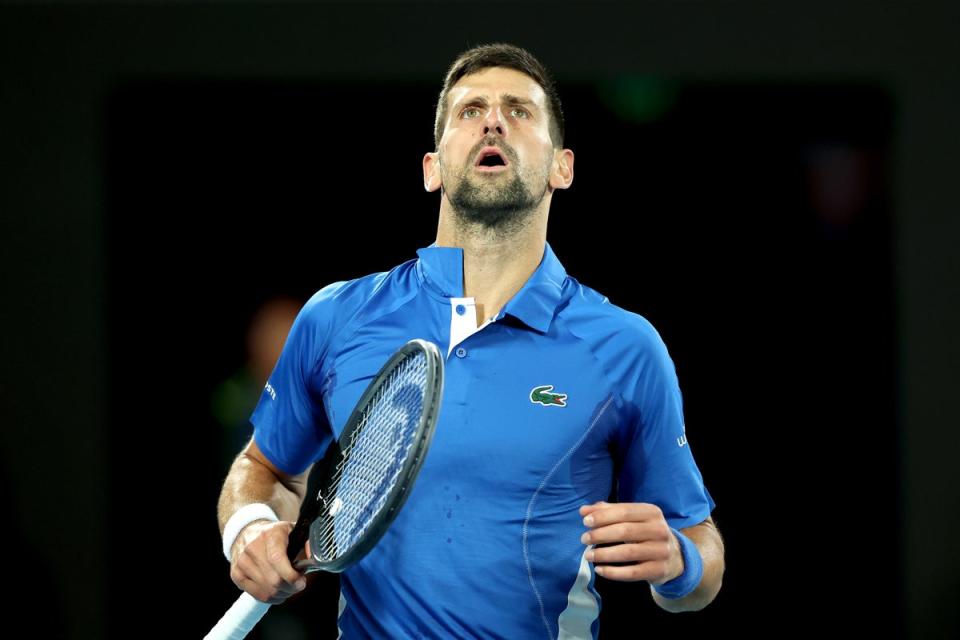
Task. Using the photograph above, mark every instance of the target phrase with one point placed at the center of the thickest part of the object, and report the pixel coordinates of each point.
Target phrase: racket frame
(432, 395)
(237, 622)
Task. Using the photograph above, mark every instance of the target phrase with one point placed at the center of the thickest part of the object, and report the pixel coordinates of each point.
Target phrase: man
(555, 400)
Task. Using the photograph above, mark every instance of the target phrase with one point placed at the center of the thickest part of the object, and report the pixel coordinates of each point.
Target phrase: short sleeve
(290, 424)
(657, 464)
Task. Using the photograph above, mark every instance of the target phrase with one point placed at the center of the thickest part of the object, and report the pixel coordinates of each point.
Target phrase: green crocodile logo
(542, 395)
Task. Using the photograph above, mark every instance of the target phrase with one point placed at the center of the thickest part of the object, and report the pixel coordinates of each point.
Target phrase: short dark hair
(501, 55)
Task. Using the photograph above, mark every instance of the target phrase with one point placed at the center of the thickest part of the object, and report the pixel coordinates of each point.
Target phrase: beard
(497, 202)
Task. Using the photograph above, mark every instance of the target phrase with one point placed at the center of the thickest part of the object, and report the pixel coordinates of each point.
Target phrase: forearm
(710, 545)
(250, 480)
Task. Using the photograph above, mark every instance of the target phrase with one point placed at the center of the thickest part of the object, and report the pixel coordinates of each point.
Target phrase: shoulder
(591, 315)
(629, 349)
(340, 301)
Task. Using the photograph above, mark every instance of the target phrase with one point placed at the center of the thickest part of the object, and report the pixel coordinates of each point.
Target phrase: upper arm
(657, 464)
(291, 426)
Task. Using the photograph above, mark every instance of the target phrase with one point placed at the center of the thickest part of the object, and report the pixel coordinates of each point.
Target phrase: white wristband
(244, 516)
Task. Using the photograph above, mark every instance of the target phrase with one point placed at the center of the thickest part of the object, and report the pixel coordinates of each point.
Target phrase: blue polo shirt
(559, 401)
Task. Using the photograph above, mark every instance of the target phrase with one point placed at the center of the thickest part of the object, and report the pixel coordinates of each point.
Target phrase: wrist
(240, 519)
(687, 581)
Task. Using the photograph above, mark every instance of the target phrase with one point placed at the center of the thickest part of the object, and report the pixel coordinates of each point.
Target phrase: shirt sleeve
(657, 465)
(290, 423)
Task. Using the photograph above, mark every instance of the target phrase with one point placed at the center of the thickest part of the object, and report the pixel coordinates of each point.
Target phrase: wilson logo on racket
(542, 395)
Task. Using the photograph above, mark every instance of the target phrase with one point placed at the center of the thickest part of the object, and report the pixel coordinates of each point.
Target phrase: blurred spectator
(232, 404)
(235, 398)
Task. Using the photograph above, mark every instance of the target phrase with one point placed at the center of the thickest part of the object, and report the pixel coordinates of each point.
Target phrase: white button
(461, 352)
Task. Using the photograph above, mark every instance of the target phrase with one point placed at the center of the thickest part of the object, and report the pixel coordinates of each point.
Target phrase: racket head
(413, 377)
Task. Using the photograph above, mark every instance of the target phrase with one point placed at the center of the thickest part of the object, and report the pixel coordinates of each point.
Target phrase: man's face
(495, 156)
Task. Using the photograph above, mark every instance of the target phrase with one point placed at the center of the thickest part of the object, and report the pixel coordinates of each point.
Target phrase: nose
(494, 123)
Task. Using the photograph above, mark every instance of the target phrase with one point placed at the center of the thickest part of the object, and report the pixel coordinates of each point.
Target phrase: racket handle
(239, 619)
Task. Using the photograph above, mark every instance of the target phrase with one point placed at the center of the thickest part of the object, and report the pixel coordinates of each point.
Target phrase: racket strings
(373, 458)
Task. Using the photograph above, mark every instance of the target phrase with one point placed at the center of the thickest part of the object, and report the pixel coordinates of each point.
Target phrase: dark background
(773, 187)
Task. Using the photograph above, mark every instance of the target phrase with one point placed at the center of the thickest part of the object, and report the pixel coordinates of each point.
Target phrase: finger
(246, 572)
(627, 532)
(279, 587)
(277, 556)
(266, 592)
(623, 512)
(630, 552)
(590, 508)
(251, 584)
(273, 562)
(263, 584)
(263, 594)
(255, 565)
(633, 572)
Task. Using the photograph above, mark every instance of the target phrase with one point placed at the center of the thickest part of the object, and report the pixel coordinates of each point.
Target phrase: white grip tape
(244, 516)
(237, 622)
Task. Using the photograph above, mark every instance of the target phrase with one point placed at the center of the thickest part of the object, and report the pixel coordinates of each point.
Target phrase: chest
(519, 408)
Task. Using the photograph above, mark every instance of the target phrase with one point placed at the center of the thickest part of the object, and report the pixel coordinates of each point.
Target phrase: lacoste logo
(542, 395)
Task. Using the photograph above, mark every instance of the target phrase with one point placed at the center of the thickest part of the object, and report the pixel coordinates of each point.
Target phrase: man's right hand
(260, 565)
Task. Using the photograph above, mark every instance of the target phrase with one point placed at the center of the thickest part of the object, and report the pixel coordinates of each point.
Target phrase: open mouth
(491, 158)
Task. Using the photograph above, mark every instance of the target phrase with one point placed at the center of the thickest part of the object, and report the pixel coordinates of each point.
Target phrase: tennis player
(561, 451)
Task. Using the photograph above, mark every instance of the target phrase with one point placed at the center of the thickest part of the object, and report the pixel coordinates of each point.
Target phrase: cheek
(538, 162)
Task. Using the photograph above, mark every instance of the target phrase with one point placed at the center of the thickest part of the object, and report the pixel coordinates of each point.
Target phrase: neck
(496, 264)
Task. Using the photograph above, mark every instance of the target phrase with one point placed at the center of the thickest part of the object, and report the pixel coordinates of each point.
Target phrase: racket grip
(239, 619)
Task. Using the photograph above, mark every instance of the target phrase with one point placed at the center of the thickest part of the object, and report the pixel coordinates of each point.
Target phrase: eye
(470, 112)
(517, 112)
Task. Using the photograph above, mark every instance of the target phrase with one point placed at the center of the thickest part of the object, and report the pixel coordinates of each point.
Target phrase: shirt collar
(441, 268)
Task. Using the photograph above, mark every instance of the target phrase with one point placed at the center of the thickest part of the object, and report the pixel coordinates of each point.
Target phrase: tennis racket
(358, 488)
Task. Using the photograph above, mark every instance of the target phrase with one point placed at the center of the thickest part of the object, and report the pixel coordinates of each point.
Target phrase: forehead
(493, 82)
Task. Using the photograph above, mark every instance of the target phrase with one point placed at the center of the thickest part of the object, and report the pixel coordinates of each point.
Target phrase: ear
(561, 173)
(431, 171)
